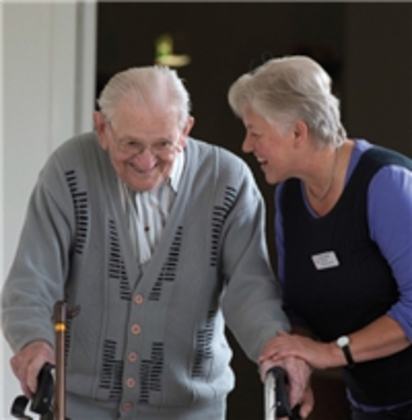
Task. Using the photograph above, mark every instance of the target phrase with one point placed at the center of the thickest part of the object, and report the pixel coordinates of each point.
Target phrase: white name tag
(325, 260)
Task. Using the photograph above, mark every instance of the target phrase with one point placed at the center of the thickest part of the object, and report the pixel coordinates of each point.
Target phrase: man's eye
(164, 144)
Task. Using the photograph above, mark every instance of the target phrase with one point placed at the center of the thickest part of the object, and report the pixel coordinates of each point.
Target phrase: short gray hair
(151, 85)
(289, 88)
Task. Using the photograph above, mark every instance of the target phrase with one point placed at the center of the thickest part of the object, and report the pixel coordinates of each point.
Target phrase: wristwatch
(343, 343)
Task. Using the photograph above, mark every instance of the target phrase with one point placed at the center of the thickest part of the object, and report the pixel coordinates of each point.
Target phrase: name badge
(325, 260)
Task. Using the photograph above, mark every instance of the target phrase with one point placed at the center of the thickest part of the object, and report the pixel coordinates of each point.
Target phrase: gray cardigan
(148, 339)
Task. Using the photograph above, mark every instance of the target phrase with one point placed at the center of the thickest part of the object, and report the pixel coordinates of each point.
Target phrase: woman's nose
(247, 145)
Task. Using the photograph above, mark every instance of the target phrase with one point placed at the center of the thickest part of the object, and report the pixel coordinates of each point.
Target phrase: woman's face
(271, 144)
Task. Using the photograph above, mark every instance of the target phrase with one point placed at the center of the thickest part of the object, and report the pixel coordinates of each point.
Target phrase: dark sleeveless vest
(340, 300)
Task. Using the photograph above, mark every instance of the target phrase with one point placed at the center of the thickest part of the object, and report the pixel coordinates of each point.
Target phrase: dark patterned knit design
(203, 344)
(220, 213)
(151, 372)
(67, 339)
(116, 390)
(168, 271)
(111, 370)
(117, 268)
(81, 211)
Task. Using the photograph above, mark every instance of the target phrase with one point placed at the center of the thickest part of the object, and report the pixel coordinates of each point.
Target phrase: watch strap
(348, 355)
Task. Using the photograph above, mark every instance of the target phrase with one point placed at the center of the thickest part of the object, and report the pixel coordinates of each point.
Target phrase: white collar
(176, 171)
(173, 180)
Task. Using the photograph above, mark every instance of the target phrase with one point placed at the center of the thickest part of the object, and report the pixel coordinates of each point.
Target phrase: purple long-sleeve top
(390, 225)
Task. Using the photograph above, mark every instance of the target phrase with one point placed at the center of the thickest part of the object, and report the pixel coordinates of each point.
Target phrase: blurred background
(56, 56)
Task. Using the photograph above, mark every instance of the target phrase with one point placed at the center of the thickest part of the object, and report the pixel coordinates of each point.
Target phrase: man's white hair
(154, 86)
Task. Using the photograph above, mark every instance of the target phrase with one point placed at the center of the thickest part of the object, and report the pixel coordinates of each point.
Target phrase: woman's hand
(317, 354)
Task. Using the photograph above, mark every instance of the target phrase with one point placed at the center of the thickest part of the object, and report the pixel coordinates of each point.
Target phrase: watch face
(342, 341)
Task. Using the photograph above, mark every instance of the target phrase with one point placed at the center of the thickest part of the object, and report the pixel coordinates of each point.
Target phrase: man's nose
(145, 160)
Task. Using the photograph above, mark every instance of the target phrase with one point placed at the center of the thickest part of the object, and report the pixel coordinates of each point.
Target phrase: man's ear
(186, 131)
(101, 127)
(189, 125)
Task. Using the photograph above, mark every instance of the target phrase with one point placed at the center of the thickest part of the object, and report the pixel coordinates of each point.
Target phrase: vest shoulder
(379, 156)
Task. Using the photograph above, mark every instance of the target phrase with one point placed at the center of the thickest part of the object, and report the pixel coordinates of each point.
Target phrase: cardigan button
(138, 299)
(132, 357)
(127, 406)
(136, 329)
(130, 383)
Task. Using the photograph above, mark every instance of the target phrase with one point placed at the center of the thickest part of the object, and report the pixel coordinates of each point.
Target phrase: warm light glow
(164, 53)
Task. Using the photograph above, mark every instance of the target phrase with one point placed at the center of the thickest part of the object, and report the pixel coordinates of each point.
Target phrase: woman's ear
(300, 133)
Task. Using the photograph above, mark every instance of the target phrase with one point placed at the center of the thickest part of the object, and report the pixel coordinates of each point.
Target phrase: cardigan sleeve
(36, 278)
(252, 302)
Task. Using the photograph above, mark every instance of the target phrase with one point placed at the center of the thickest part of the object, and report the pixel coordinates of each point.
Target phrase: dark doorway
(225, 40)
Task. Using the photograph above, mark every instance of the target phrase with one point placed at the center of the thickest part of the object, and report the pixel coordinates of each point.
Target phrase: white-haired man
(158, 238)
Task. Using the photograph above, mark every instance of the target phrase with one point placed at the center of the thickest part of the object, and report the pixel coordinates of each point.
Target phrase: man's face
(142, 143)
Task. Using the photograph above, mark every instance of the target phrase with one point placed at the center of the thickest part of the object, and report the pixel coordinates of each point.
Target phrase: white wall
(48, 80)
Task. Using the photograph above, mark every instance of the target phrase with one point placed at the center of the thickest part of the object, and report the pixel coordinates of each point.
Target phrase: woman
(343, 234)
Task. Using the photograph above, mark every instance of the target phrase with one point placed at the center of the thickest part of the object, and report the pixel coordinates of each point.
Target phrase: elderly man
(158, 238)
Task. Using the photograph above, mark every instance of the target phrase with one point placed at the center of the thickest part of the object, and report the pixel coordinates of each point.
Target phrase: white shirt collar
(173, 180)
(176, 171)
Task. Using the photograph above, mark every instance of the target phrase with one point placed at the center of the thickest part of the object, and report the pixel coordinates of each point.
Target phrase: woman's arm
(380, 338)
(390, 225)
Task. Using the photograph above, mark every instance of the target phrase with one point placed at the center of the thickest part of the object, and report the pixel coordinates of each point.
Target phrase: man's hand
(26, 364)
(298, 372)
(300, 392)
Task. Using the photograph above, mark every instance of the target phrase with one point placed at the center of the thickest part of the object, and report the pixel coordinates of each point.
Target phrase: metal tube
(60, 318)
(270, 396)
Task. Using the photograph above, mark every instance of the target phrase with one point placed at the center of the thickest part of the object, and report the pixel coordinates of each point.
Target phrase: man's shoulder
(76, 152)
(79, 154)
(223, 157)
(77, 144)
